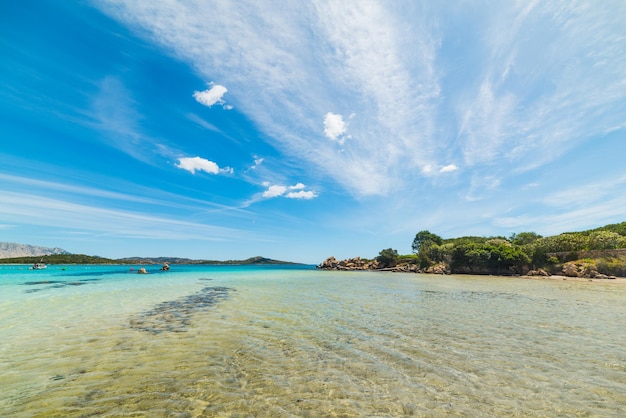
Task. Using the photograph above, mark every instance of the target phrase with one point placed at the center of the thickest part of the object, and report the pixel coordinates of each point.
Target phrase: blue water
(292, 341)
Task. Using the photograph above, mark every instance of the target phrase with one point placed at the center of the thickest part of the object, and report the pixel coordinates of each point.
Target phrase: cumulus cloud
(334, 127)
(212, 96)
(275, 191)
(193, 164)
(296, 191)
(448, 168)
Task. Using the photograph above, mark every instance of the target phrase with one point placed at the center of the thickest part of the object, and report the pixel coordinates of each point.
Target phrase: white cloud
(275, 191)
(193, 164)
(212, 96)
(448, 168)
(296, 191)
(431, 170)
(302, 194)
(334, 127)
(257, 162)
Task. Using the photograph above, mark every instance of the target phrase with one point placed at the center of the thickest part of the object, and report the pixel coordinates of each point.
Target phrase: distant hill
(67, 258)
(13, 249)
(175, 260)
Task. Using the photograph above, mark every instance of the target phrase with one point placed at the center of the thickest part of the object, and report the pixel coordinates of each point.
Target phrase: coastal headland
(571, 272)
(596, 254)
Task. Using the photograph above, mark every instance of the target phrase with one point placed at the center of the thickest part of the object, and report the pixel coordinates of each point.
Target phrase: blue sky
(300, 130)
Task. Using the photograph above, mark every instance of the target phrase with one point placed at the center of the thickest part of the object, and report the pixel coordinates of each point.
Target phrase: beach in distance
(616, 280)
(292, 340)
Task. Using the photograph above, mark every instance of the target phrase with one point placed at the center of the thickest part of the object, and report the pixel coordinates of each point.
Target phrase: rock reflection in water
(175, 315)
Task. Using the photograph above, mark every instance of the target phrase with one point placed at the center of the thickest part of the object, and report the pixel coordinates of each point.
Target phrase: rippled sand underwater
(300, 342)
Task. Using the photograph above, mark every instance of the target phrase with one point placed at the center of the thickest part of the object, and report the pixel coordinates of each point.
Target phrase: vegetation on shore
(599, 252)
(88, 259)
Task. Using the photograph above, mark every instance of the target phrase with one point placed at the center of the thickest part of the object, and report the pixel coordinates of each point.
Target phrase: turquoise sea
(291, 341)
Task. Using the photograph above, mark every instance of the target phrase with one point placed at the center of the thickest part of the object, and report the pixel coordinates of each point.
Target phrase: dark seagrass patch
(176, 315)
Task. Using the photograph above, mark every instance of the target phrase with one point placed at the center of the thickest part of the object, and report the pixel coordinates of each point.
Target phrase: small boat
(38, 266)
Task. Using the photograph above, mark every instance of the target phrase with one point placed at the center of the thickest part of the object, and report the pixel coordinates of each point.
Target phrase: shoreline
(617, 280)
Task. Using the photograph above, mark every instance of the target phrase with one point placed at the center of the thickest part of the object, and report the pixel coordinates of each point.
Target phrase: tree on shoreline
(388, 257)
(424, 239)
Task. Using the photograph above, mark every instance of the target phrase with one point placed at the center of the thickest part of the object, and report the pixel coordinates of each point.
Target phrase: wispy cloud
(152, 198)
(581, 195)
(302, 61)
(105, 222)
(257, 162)
(113, 110)
(115, 116)
(575, 218)
(421, 91)
(553, 78)
(201, 122)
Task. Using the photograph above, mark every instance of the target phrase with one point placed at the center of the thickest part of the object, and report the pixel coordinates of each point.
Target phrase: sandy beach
(618, 280)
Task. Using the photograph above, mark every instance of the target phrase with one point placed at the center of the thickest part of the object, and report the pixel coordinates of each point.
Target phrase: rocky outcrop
(570, 270)
(331, 263)
(586, 270)
(440, 268)
(403, 268)
(540, 272)
(355, 264)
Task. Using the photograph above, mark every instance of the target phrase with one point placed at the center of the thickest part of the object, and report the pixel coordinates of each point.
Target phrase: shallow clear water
(285, 341)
